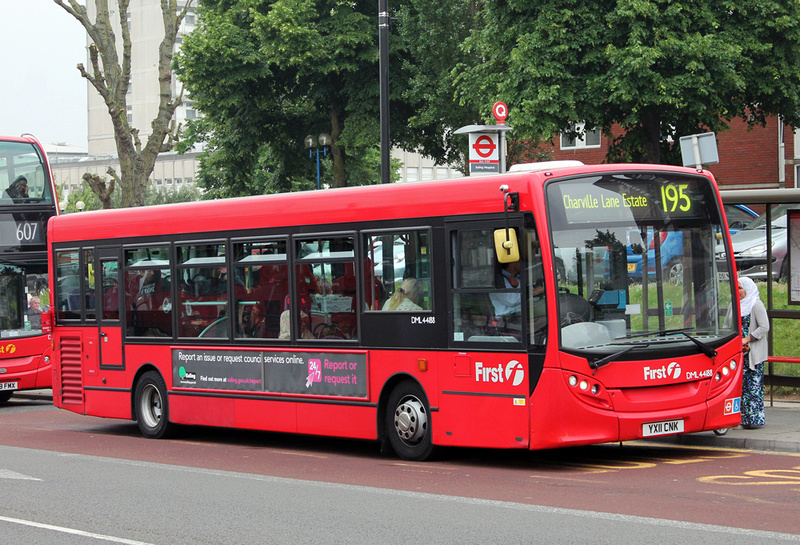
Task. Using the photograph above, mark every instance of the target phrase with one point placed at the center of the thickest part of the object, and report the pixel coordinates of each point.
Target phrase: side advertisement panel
(341, 374)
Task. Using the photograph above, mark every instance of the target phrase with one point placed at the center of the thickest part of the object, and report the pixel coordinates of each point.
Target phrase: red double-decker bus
(491, 311)
(27, 200)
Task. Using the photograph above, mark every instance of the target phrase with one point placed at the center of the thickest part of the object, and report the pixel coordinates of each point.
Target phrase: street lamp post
(316, 144)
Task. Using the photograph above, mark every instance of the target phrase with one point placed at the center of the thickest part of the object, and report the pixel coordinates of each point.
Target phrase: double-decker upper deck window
(261, 288)
(23, 178)
(148, 292)
(325, 289)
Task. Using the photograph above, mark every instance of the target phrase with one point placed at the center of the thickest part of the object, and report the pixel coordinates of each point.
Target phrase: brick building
(763, 157)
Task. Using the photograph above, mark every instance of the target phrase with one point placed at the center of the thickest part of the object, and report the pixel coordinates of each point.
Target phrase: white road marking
(72, 531)
(8, 474)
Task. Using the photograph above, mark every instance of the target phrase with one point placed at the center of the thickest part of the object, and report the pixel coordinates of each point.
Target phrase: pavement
(781, 433)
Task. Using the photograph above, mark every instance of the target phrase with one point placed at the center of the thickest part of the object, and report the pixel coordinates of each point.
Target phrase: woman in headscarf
(755, 325)
(18, 189)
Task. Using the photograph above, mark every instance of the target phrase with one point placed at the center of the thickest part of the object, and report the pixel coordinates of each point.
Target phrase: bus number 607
(26, 232)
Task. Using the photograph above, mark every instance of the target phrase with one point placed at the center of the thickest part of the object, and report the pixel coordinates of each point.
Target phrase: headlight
(755, 250)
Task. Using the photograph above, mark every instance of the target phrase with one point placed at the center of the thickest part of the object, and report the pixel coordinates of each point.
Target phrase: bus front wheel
(151, 406)
(408, 422)
(5, 396)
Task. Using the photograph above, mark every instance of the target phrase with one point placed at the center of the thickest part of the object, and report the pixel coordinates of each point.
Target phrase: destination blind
(624, 198)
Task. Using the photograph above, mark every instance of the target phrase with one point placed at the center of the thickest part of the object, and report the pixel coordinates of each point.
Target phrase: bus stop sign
(699, 149)
(484, 157)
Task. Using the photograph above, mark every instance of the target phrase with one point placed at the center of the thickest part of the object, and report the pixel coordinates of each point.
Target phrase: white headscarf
(751, 295)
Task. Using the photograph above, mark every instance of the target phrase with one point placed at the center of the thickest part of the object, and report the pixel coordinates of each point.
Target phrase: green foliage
(154, 195)
(658, 68)
(431, 34)
(168, 195)
(84, 195)
(266, 73)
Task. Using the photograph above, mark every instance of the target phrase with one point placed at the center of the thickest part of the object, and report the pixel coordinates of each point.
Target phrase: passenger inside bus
(406, 297)
(18, 188)
(286, 321)
(34, 312)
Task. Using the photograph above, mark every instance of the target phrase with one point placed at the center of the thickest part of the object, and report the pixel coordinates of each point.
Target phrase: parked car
(750, 246)
(738, 217)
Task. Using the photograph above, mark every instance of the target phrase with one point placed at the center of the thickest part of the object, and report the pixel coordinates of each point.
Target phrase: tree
(431, 33)
(266, 73)
(110, 76)
(92, 201)
(658, 68)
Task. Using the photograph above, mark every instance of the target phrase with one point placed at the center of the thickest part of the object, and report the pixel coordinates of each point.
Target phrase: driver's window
(487, 295)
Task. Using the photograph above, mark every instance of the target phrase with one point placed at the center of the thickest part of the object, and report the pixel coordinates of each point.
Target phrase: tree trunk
(651, 129)
(99, 187)
(111, 79)
(340, 175)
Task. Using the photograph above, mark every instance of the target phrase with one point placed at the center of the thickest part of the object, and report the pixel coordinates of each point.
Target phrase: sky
(41, 91)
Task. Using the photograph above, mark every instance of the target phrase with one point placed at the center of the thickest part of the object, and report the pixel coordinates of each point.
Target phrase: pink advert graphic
(314, 372)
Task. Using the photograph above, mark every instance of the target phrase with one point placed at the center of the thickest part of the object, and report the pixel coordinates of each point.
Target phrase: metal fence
(770, 198)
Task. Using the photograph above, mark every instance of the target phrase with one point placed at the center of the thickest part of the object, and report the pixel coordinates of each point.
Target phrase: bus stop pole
(383, 61)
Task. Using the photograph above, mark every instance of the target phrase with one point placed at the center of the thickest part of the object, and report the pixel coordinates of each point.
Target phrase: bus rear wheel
(151, 406)
(408, 422)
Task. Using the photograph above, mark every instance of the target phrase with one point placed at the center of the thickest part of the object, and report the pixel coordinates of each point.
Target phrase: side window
(398, 271)
(486, 306)
(88, 283)
(68, 285)
(110, 282)
(325, 290)
(534, 277)
(148, 306)
(487, 295)
(261, 289)
(202, 291)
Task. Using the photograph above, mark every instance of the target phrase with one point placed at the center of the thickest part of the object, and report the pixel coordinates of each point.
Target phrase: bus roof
(470, 195)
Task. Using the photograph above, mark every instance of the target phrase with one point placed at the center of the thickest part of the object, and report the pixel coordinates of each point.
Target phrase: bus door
(489, 374)
(108, 304)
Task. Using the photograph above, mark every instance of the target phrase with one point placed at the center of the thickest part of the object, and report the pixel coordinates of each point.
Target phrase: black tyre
(721, 431)
(5, 396)
(151, 406)
(408, 422)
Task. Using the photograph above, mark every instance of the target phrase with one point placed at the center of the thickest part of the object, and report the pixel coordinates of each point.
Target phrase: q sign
(500, 111)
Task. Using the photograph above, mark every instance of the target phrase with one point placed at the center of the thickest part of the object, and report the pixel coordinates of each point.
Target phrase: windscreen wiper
(660, 333)
(598, 363)
(705, 348)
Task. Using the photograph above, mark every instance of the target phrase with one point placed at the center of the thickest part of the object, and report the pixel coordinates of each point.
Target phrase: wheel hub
(411, 421)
